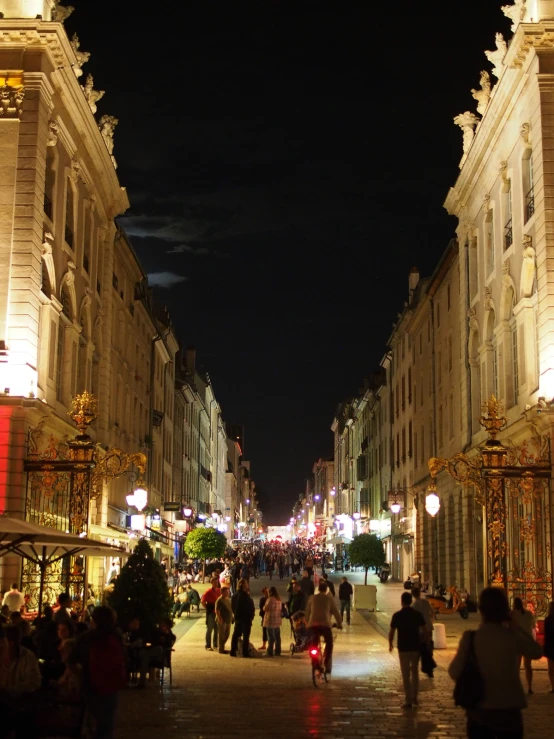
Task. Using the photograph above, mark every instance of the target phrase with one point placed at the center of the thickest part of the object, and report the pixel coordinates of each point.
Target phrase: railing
(529, 204)
(85, 263)
(508, 235)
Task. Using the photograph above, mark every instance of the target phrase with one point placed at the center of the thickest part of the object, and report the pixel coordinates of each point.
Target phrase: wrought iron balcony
(529, 204)
(508, 235)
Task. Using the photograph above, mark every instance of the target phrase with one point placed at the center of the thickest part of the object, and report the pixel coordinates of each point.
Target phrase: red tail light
(313, 652)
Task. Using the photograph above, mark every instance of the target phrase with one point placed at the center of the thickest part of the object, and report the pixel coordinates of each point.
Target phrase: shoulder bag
(469, 690)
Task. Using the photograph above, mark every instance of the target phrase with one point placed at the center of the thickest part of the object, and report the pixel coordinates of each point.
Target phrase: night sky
(286, 164)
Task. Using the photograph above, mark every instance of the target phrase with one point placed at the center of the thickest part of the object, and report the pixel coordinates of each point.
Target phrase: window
(448, 298)
(415, 447)
(439, 369)
(494, 372)
(440, 426)
(451, 416)
(450, 353)
(409, 385)
(420, 345)
(410, 440)
(528, 185)
(52, 353)
(115, 281)
(59, 363)
(69, 216)
(508, 230)
(67, 307)
(489, 241)
(438, 314)
(404, 444)
(515, 364)
(403, 392)
(428, 330)
(422, 444)
(50, 183)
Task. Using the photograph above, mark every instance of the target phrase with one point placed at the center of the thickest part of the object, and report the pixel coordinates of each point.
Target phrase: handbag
(469, 690)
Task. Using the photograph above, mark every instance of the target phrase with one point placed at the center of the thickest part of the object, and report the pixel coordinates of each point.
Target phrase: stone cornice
(529, 36)
(50, 38)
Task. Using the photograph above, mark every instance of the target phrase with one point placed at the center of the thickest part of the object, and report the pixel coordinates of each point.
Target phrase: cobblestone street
(274, 697)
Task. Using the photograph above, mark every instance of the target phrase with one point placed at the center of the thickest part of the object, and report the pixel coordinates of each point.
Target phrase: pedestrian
(525, 620)
(244, 612)
(330, 585)
(224, 616)
(345, 598)
(549, 643)
(309, 564)
(306, 585)
(411, 628)
(14, 599)
(498, 645)
(265, 595)
(272, 622)
(297, 601)
(208, 600)
(101, 656)
(426, 609)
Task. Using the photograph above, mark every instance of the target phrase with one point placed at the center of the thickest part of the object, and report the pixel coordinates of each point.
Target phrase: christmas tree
(141, 590)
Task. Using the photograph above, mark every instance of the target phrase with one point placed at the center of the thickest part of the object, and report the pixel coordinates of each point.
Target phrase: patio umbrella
(45, 546)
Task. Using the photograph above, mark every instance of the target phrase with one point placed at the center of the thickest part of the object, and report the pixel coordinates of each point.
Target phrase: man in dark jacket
(243, 611)
(345, 596)
(330, 586)
(297, 600)
(307, 585)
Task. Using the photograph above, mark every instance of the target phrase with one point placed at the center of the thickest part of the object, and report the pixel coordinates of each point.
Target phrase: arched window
(528, 185)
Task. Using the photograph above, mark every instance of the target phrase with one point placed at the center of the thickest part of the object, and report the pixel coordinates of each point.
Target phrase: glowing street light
(138, 499)
(432, 501)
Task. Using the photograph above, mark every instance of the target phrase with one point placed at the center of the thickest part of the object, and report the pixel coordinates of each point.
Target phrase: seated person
(152, 652)
(192, 599)
(179, 601)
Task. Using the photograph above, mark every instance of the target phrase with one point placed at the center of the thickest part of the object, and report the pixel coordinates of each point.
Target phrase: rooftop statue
(82, 56)
(484, 94)
(467, 122)
(60, 12)
(515, 12)
(107, 126)
(496, 57)
(92, 95)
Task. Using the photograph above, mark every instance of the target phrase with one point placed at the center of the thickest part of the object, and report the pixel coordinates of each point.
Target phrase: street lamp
(356, 515)
(432, 500)
(396, 499)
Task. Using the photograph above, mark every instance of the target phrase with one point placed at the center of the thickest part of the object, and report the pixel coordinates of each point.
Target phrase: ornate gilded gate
(513, 485)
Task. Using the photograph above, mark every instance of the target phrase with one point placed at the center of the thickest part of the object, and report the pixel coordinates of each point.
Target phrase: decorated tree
(366, 550)
(141, 590)
(203, 543)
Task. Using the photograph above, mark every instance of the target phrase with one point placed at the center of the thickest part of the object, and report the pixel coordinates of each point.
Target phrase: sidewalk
(274, 697)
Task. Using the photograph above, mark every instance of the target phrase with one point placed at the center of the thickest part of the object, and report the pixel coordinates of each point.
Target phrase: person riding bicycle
(319, 611)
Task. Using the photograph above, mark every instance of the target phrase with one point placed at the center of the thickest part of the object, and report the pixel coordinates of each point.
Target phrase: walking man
(224, 616)
(306, 585)
(426, 609)
(208, 601)
(411, 628)
(345, 598)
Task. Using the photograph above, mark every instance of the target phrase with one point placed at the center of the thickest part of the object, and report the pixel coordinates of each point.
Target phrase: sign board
(172, 505)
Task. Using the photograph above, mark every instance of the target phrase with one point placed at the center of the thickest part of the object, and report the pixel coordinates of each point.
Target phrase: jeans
(101, 709)
(327, 634)
(211, 627)
(274, 639)
(224, 630)
(242, 628)
(409, 667)
(345, 606)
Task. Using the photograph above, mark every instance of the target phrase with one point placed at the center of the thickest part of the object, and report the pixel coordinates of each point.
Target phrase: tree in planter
(203, 543)
(366, 550)
(141, 590)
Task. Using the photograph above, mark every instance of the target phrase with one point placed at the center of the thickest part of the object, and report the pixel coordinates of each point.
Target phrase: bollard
(439, 635)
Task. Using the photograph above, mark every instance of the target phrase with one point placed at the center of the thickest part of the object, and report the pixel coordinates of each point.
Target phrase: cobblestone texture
(214, 694)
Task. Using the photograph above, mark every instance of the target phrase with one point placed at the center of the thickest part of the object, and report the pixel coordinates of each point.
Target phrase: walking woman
(549, 643)
(525, 621)
(498, 646)
(263, 599)
(272, 622)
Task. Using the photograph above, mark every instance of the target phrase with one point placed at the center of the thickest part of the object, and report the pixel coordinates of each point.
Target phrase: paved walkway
(214, 695)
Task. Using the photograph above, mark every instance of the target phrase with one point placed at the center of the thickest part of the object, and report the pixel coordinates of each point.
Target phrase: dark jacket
(243, 607)
(345, 591)
(307, 586)
(331, 587)
(297, 602)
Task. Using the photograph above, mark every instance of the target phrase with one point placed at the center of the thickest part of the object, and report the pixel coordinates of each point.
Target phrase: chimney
(413, 279)
(190, 359)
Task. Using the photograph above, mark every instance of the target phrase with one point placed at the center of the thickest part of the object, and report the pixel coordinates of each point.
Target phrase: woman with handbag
(486, 671)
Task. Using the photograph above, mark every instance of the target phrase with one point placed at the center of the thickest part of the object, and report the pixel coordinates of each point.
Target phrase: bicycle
(317, 656)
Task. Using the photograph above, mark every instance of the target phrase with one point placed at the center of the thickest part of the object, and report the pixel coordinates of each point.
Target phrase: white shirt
(14, 600)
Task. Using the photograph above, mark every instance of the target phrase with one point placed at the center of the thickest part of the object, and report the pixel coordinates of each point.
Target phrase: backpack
(107, 668)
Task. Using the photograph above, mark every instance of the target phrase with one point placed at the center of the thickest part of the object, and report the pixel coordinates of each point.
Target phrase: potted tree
(203, 543)
(366, 550)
